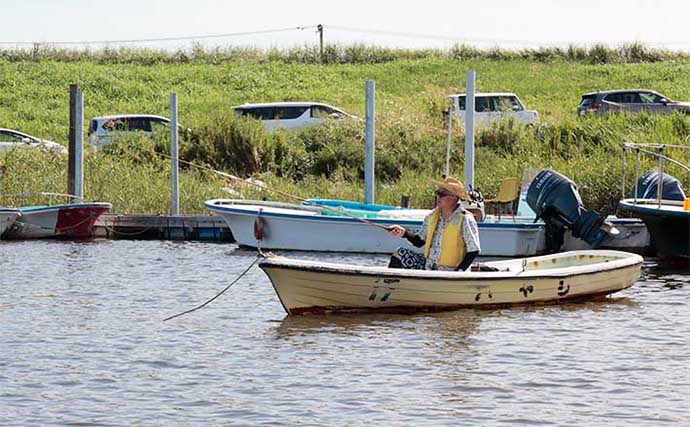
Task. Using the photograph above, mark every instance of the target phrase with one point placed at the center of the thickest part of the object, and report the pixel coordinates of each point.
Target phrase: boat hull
(7, 218)
(668, 225)
(301, 228)
(311, 287)
(70, 221)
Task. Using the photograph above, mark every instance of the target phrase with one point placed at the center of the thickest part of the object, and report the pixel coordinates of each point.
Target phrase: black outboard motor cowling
(554, 198)
(647, 185)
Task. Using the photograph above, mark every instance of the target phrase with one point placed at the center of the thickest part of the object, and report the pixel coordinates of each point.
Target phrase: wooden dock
(163, 227)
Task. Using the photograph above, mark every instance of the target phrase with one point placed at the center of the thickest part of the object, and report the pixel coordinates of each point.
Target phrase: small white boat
(69, 220)
(273, 225)
(317, 287)
(7, 218)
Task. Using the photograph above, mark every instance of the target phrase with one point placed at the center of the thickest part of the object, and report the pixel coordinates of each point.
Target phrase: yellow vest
(452, 244)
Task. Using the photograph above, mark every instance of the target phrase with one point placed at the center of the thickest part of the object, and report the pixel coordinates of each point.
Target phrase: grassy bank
(327, 161)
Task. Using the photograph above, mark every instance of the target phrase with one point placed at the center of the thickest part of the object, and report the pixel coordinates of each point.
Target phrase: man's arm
(467, 261)
(414, 239)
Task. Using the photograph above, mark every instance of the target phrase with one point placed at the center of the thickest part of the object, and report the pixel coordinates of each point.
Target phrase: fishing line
(259, 256)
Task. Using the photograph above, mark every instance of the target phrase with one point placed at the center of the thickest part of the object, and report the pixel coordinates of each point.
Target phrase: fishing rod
(265, 187)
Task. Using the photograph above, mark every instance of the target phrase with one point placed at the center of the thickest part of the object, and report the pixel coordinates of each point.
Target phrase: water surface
(82, 342)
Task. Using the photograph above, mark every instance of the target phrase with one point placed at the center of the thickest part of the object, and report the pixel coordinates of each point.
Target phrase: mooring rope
(258, 257)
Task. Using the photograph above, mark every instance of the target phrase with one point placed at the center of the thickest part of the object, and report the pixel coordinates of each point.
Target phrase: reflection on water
(84, 344)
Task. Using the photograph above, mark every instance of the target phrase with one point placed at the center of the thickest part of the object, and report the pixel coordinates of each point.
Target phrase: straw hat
(452, 186)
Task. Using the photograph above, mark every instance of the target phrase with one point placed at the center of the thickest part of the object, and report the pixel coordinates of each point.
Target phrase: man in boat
(450, 236)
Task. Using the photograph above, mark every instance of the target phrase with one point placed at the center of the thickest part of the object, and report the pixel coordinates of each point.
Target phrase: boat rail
(646, 148)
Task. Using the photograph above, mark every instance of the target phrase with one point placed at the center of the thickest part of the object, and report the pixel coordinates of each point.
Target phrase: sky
(429, 23)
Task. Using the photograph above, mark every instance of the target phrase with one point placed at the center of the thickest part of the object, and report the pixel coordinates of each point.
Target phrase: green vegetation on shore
(411, 90)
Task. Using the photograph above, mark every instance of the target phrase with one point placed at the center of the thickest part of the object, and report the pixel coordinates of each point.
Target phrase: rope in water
(259, 256)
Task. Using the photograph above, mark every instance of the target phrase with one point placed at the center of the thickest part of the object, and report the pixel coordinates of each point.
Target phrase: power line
(487, 41)
(164, 39)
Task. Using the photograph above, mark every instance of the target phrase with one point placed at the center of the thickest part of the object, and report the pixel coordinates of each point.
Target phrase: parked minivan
(490, 107)
(103, 128)
(290, 115)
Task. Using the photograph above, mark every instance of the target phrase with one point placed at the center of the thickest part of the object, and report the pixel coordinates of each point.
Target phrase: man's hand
(397, 230)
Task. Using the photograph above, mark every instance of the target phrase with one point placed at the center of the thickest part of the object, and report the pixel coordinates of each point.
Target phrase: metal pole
(79, 148)
(637, 173)
(450, 137)
(660, 181)
(623, 179)
(319, 29)
(369, 132)
(73, 89)
(469, 131)
(174, 160)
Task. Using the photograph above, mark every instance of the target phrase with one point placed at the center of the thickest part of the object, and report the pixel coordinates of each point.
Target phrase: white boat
(318, 287)
(311, 228)
(69, 220)
(7, 218)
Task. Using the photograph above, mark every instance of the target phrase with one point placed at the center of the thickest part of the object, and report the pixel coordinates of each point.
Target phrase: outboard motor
(647, 186)
(554, 198)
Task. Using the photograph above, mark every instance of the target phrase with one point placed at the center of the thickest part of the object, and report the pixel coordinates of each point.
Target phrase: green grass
(411, 90)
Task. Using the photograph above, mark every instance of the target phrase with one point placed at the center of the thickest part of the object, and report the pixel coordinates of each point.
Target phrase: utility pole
(319, 29)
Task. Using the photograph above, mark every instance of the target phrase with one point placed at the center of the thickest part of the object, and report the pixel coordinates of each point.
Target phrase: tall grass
(327, 161)
(340, 54)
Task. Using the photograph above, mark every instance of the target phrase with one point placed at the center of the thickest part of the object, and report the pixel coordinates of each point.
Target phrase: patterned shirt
(470, 234)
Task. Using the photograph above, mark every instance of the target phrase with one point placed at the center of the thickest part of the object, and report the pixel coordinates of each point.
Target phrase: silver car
(629, 100)
(10, 138)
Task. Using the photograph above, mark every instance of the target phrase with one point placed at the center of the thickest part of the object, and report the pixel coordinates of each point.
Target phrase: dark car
(629, 100)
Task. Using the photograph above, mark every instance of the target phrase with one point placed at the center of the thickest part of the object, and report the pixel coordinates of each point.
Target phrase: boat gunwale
(651, 206)
(629, 260)
(47, 208)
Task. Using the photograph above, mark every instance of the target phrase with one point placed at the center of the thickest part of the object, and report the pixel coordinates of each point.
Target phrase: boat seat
(505, 201)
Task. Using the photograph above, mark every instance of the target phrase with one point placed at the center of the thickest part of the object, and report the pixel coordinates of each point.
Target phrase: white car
(10, 138)
(103, 128)
(290, 115)
(490, 107)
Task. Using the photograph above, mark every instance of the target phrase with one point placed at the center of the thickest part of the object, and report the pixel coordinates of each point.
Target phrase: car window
(506, 103)
(614, 97)
(587, 100)
(139, 124)
(287, 113)
(624, 98)
(650, 98)
(482, 104)
(260, 113)
(323, 112)
(113, 125)
(6, 136)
